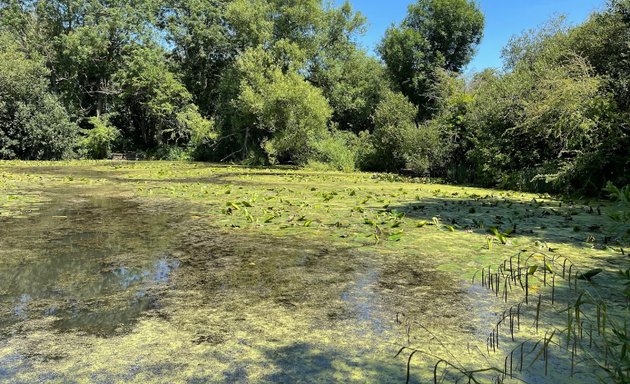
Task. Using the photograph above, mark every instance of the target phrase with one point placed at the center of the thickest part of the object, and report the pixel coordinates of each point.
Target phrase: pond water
(92, 264)
(110, 288)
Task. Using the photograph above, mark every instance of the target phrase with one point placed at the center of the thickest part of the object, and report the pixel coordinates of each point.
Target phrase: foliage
(622, 197)
(397, 142)
(97, 142)
(276, 112)
(337, 151)
(33, 123)
(274, 81)
(156, 104)
(534, 117)
(620, 213)
(436, 34)
(199, 32)
(455, 136)
(354, 86)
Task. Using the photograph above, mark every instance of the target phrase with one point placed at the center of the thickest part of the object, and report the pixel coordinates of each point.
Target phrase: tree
(89, 41)
(33, 123)
(204, 43)
(154, 103)
(436, 34)
(354, 87)
(397, 142)
(350, 79)
(274, 113)
(539, 120)
(453, 100)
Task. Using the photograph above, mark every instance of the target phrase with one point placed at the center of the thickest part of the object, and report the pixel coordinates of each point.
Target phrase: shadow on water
(306, 363)
(580, 225)
(90, 264)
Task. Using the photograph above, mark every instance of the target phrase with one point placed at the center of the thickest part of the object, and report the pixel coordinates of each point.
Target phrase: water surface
(102, 286)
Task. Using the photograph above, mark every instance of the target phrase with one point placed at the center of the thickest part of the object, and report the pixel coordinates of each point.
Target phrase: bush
(274, 112)
(173, 153)
(397, 143)
(337, 151)
(393, 129)
(34, 125)
(97, 142)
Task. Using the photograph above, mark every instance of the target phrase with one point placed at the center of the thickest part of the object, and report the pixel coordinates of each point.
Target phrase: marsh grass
(592, 335)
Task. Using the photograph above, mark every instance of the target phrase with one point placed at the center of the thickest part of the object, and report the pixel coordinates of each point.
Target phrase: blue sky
(504, 18)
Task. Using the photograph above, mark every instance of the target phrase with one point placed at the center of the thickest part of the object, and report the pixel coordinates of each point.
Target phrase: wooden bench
(132, 156)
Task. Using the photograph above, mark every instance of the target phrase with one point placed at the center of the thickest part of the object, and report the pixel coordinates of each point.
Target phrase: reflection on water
(22, 306)
(92, 264)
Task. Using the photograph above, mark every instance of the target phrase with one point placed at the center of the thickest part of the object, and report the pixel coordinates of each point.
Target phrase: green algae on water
(173, 272)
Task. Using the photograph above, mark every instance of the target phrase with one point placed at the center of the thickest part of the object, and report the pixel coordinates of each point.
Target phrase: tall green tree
(273, 113)
(204, 43)
(435, 34)
(155, 107)
(535, 125)
(89, 42)
(34, 125)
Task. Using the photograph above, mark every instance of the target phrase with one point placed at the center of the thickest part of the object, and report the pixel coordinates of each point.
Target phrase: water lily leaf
(395, 237)
(548, 267)
(590, 274)
(398, 214)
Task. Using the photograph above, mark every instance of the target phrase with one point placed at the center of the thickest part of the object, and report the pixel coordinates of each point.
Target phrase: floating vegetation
(257, 256)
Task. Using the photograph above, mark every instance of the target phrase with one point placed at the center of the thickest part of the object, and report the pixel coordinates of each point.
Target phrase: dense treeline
(284, 81)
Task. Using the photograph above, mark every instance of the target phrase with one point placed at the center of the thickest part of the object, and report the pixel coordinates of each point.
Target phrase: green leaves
(281, 110)
(621, 196)
(501, 237)
(97, 142)
(589, 274)
(436, 34)
(34, 123)
(395, 236)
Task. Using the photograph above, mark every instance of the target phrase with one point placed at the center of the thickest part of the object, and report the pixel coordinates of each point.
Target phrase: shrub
(97, 142)
(34, 125)
(338, 151)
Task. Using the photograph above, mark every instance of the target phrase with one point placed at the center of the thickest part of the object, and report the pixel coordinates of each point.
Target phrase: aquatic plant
(591, 335)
